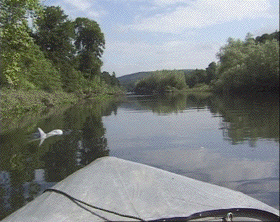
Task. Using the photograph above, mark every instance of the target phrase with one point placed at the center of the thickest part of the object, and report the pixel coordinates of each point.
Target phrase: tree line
(41, 48)
(161, 81)
(251, 65)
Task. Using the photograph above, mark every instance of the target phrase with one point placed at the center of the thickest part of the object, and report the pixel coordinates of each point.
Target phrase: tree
(195, 77)
(90, 44)
(265, 37)
(211, 72)
(55, 35)
(114, 80)
(23, 64)
(106, 77)
(160, 81)
(14, 37)
(248, 66)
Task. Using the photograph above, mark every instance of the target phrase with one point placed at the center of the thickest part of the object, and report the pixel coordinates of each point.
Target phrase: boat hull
(135, 190)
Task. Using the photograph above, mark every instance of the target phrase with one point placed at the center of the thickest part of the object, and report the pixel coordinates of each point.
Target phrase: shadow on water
(27, 169)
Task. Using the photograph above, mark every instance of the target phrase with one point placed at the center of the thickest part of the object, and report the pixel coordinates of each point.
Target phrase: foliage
(55, 34)
(161, 81)
(263, 38)
(248, 65)
(110, 79)
(211, 72)
(55, 53)
(39, 71)
(89, 42)
(23, 64)
(195, 77)
(15, 39)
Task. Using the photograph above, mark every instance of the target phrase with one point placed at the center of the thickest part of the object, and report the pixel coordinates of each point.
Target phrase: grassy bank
(21, 107)
(21, 101)
(200, 89)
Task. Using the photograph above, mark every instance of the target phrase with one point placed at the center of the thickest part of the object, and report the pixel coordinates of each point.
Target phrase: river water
(230, 141)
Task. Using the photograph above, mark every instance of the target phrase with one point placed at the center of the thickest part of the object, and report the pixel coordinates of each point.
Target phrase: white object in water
(141, 191)
(44, 135)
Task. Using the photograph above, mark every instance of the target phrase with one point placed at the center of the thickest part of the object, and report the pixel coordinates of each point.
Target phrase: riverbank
(22, 101)
(200, 89)
(16, 102)
(21, 107)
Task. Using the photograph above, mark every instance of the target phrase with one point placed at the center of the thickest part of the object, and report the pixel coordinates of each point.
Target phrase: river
(230, 141)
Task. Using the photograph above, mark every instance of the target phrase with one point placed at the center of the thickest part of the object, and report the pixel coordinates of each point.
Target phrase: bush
(161, 81)
(248, 65)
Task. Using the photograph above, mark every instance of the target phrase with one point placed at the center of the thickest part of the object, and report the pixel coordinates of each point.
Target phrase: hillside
(128, 81)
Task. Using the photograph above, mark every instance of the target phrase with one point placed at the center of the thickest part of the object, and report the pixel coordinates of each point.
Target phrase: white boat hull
(132, 189)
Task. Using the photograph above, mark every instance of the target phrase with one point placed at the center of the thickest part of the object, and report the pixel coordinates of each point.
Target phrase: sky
(149, 35)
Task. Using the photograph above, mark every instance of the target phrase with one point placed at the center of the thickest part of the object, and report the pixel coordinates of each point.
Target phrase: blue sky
(147, 35)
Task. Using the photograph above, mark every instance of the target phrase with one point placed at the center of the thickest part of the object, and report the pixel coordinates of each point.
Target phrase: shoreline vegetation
(249, 66)
(48, 60)
(18, 102)
(27, 108)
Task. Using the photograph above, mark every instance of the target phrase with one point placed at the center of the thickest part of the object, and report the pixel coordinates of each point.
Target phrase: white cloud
(142, 56)
(202, 13)
(85, 7)
(80, 4)
(169, 2)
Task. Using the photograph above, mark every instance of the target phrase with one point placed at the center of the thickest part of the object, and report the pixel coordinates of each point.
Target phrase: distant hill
(128, 81)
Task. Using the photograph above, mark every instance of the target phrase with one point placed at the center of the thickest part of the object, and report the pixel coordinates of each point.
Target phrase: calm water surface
(229, 141)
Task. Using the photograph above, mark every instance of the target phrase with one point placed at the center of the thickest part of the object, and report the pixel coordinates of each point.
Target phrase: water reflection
(250, 118)
(257, 178)
(166, 132)
(240, 140)
(27, 168)
(244, 118)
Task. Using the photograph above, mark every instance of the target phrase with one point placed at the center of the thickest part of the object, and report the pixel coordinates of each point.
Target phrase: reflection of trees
(94, 142)
(16, 196)
(84, 144)
(3, 207)
(59, 161)
(243, 118)
(249, 118)
(197, 101)
(163, 103)
(58, 156)
(173, 103)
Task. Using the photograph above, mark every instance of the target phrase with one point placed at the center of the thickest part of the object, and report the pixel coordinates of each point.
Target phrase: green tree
(23, 64)
(90, 44)
(195, 77)
(211, 72)
(106, 77)
(14, 37)
(114, 80)
(55, 34)
(160, 81)
(248, 66)
(263, 38)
